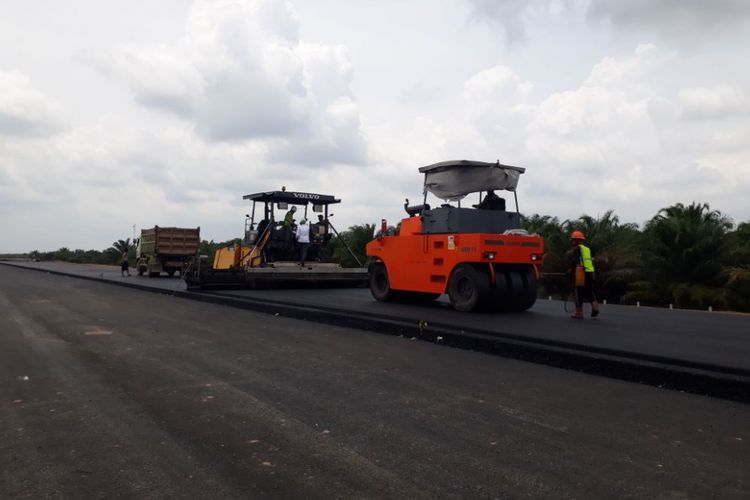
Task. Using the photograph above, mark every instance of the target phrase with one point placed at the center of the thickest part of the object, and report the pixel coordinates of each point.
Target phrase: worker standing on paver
(289, 217)
(303, 240)
(582, 267)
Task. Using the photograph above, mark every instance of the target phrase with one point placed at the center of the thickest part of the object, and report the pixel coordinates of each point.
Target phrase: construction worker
(303, 240)
(582, 267)
(124, 264)
(317, 230)
(289, 217)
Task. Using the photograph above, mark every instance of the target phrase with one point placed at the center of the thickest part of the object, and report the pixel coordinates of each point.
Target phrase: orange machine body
(424, 262)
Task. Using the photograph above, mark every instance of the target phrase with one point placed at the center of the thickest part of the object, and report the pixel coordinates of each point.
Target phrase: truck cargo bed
(170, 241)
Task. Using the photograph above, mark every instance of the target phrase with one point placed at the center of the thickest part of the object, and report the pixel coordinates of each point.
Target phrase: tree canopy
(686, 255)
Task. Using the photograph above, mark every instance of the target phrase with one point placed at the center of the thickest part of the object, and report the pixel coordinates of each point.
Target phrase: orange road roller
(478, 254)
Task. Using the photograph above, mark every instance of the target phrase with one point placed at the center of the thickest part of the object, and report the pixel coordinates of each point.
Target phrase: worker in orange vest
(582, 267)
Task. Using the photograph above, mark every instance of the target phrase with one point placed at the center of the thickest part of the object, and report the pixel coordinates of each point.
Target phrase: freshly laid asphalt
(108, 392)
(658, 342)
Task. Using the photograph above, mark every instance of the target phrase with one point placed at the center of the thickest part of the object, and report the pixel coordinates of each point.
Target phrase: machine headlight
(489, 255)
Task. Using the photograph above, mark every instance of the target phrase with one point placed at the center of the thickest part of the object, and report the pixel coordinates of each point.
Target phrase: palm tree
(681, 257)
(121, 246)
(118, 248)
(556, 244)
(355, 238)
(550, 228)
(736, 262)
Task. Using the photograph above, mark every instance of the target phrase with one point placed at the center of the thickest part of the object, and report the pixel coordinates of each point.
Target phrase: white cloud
(619, 140)
(87, 184)
(685, 22)
(228, 97)
(252, 103)
(718, 102)
(159, 77)
(24, 110)
(513, 15)
(497, 84)
(241, 73)
(673, 19)
(495, 103)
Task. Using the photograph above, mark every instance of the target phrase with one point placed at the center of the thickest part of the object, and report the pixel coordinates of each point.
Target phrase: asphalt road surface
(111, 392)
(713, 339)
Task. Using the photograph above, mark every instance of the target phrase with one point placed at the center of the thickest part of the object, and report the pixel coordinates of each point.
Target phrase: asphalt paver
(108, 392)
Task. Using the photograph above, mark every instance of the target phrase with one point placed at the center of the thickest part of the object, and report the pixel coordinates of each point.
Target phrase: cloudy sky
(122, 114)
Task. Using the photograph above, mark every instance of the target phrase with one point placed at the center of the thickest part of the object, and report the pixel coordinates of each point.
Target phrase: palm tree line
(688, 256)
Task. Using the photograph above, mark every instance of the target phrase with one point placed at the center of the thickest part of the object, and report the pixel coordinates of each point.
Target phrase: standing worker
(289, 217)
(303, 240)
(124, 266)
(582, 267)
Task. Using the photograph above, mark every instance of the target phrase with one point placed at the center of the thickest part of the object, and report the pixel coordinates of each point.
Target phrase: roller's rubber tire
(380, 284)
(523, 289)
(514, 290)
(517, 290)
(469, 289)
(530, 288)
(501, 292)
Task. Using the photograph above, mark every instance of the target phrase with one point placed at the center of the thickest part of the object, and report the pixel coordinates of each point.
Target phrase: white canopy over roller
(452, 180)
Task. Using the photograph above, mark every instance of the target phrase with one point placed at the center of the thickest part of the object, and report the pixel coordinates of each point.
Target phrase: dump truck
(269, 254)
(166, 249)
(478, 254)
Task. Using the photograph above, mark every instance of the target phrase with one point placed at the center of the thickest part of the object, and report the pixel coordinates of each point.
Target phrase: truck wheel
(153, 274)
(380, 285)
(468, 289)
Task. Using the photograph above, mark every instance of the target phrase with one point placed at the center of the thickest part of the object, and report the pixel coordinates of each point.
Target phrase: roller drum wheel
(501, 292)
(380, 284)
(530, 289)
(517, 290)
(523, 289)
(469, 289)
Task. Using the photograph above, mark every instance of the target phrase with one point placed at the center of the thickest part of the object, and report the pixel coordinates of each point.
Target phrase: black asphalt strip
(668, 373)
